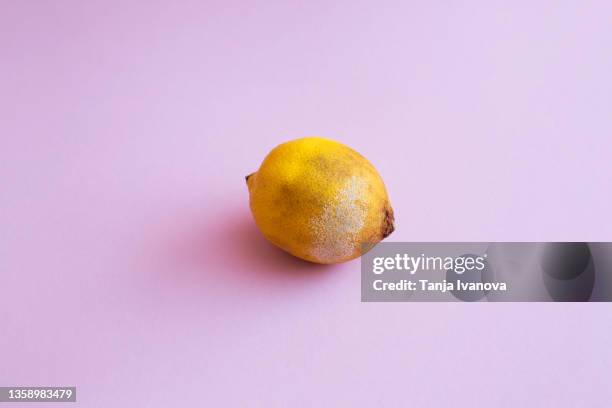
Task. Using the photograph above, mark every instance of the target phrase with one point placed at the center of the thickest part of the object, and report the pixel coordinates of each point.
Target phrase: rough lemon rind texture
(320, 200)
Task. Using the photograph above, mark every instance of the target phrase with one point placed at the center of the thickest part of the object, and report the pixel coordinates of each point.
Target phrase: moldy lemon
(320, 201)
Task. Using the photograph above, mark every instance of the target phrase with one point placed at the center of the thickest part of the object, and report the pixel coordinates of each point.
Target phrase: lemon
(320, 201)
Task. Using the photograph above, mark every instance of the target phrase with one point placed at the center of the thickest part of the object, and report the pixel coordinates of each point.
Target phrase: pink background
(129, 263)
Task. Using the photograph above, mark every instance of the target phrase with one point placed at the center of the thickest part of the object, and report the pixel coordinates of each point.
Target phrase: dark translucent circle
(579, 289)
(565, 260)
(474, 275)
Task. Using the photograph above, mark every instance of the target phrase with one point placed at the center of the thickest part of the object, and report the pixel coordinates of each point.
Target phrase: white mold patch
(337, 228)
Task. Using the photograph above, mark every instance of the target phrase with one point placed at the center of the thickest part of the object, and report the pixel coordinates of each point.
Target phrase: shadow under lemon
(227, 251)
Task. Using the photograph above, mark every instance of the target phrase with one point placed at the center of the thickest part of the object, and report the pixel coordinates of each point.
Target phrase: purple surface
(129, 263)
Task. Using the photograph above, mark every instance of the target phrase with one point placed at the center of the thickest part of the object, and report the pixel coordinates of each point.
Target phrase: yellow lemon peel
(320, 201)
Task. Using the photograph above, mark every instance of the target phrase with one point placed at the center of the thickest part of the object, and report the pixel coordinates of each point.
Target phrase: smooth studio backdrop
(130, 266)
